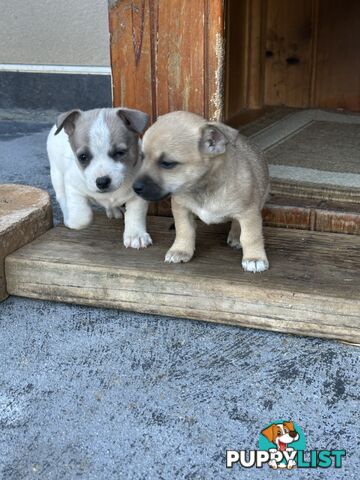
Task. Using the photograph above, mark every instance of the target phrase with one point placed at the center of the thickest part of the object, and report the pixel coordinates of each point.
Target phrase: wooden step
(312, 288)
(25, 213)
(297, 212)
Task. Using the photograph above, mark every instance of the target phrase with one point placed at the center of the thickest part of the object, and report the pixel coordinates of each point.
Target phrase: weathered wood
(312, 288)
(173, 53)
(168, 56)
(245, 55)
(302, 213)
(337, 76)
(25, 213)
(288, 58)
(312, 214)
(310, 57)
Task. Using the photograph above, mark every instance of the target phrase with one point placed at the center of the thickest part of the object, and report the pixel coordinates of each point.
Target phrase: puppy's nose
(293, 434)
(138, 186)
(146, 188)
(103, 182)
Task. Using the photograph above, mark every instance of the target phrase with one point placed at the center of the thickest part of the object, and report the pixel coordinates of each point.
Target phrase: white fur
(102, 165)
(76, 188)
(284, 438)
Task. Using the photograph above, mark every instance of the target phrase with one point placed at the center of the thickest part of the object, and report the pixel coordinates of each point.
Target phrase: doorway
(292, 83)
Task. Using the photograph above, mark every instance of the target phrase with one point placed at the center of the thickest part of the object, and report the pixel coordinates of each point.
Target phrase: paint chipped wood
(174, 55)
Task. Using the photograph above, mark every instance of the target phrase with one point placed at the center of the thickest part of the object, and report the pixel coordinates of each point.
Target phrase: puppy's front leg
(79, 213)
(57, 179)
(183, 247)
(252, 242)
(135, 234)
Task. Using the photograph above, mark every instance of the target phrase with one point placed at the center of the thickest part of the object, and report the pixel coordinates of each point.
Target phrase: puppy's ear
(134, 119)
(212, 141)
(290, 426)
(269, 433)
(67, 121)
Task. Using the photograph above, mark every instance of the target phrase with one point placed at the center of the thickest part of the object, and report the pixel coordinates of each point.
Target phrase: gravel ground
(105, 394)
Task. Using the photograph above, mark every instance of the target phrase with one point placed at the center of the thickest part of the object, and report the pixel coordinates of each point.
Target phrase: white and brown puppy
(211, 171)
(94, 157)
(282, 435)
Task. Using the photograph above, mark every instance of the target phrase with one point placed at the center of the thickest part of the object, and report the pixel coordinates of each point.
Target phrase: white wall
(54, 32)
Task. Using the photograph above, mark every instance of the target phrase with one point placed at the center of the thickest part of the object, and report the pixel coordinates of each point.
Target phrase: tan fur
(219, 177)
(289, 425)
(271, 433)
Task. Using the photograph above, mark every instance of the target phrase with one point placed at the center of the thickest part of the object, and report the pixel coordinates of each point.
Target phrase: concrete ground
(105, 394)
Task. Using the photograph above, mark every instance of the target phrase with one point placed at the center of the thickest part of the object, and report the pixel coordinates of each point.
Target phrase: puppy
(94, 157)
(211, 171)
(281, 434)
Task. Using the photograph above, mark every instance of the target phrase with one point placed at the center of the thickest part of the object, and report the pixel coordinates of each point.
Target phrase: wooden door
(168, 55)
(302, 54)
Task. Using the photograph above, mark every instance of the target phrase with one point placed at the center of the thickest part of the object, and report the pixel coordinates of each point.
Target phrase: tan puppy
(211, 171)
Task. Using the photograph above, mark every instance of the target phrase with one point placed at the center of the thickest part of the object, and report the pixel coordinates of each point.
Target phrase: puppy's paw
(178, 256)
(255, 264)
(233, 240)
(137, 240)
(115, 212)
(76, 224)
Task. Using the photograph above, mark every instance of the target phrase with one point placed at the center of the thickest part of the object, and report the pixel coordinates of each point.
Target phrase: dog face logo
(285, 438)
(282, 445)
(281, 434)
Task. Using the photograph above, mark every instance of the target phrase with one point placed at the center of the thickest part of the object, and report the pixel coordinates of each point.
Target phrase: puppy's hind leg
(115, 212)
(234, 235)
(252, 242)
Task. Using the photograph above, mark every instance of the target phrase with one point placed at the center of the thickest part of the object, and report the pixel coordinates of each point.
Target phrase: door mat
(312, 154)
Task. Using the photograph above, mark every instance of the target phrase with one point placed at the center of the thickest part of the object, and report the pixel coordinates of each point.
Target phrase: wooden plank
(168, 55)
(245, 55)
(337, 77)
(180, 53)
(256, 58)
(301, 213)
(25, 213)
(131, 47)
(237, 50)
(214, 67)
(288, 53)
(312, 288)
(312, 214)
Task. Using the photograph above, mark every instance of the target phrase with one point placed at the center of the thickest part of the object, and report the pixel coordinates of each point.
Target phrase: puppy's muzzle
(146, 188)
(103, 183)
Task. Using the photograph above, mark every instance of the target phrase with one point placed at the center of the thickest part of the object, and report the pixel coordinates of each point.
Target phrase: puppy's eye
(167, 165)
(118, 154)
(83, 158)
